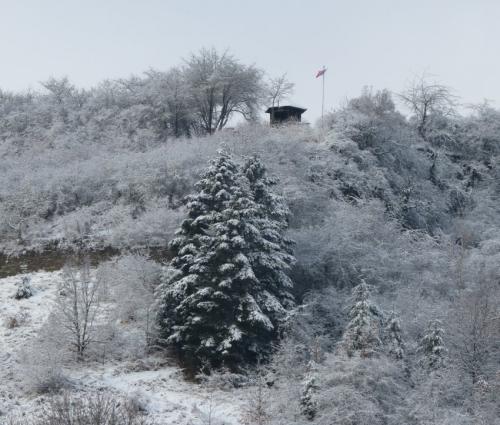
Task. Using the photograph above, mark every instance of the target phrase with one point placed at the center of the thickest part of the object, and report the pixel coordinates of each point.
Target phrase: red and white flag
(320, 72)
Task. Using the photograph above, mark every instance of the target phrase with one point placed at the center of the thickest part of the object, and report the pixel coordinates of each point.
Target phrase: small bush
(99, 409)
(24, 289)
(41, 363)
(51, 381)
(16, 320)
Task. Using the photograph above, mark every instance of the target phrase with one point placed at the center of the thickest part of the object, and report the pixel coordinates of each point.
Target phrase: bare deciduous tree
(278, 89)
(169, 94)
(476, 325)
(256, 411)
(220, 86)
(425, 98)
(77, 306)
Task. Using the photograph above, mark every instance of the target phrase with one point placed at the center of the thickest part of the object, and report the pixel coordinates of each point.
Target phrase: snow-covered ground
(168, 397)
(20, 321)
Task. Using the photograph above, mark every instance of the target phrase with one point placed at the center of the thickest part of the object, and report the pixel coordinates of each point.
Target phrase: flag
(320, 72)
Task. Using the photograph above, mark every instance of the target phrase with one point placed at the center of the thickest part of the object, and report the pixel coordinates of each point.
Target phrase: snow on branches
(225, 295)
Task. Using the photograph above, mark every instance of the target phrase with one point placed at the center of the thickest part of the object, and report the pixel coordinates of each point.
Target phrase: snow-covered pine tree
(213, 307)
(272, 205)
(192, 240)
(363, 331)
(393, 339)
(271, 254)
(432, 346)
(24, 289)
(308, 405)
(214, 191)
(237, 330)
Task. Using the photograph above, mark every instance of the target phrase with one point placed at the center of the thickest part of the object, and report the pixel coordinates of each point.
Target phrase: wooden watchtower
(285, 114)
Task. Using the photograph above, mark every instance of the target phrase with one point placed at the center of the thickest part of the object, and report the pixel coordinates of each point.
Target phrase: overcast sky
(381, 43)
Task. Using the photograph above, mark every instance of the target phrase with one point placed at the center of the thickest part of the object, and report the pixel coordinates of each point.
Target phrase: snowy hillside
(159, 386)
(258, 276)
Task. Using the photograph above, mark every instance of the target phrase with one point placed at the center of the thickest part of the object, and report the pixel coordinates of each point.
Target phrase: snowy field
(168, 398)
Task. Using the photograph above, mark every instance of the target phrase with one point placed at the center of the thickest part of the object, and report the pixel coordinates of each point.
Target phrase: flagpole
(323, 99)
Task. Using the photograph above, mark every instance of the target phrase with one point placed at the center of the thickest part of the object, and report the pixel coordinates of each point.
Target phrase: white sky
(379, 43)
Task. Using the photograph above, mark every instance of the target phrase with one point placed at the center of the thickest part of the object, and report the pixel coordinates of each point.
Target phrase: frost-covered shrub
(420, 179)
(42, 362)
(359, 240)
(256, 410)
(86, 409)
(125, 197)
(443, 398)
(24, 289)
(16, 320)
(224, 379)
(132, 279)
(313, 327)
(346, 390)
(473, 328)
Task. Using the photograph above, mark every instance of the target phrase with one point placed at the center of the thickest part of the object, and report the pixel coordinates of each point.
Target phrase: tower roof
(286, 108)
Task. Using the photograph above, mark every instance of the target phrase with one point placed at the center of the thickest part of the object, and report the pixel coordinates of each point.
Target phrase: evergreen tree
(271, 253)
(432, 346)
(393, 338)
(363, 330)
(214, 191)
(192, 240)
(213, 306)
(273, 206)
(308, 405)
(24, 289)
